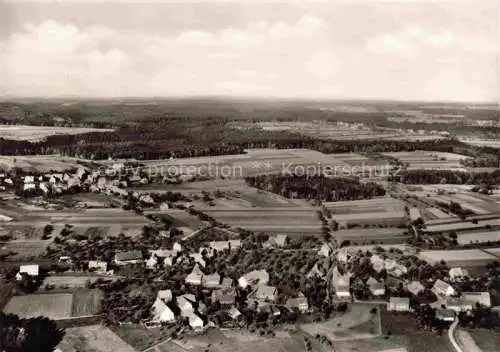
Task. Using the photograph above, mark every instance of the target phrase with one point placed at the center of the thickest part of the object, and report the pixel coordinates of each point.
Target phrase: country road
(451, 336)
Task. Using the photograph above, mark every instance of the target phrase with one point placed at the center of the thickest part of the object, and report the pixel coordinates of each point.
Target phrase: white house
(184, 303)
(442, 288)
(195, 322)
(177, 247)
(152, 262)
(198, 258)
(161, 312)
(211, 281)
(325, 250)
(299, 303)
(415, 287)
(98, 266)
(195, 277)
(457, 273)
(165, 295)
(378, 264)
(31, 270)
(255, 277)
(376, 288)
(399, 304)
(129, 257)
(266, 293)
(483, 298)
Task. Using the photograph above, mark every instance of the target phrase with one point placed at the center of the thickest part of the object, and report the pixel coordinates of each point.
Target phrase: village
(187, 272)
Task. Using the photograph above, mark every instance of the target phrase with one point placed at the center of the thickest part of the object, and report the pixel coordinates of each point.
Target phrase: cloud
(300, 54)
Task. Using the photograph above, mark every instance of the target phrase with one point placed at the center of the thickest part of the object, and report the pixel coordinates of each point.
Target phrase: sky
(403, 50)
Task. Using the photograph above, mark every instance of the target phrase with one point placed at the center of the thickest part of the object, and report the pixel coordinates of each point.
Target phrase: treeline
(34, 335)
(165, 137)
(316, 187)
(447, 176)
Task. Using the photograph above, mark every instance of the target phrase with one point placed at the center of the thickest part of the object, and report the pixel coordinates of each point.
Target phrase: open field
(357, 323)
(379, 235)
(403, 326)
(229, 341)
(430, 160)
(25, 250)
(235, 193)
(179, 217)
(94, 338)
(477, 203)
(378, 204)
(54, 305)
(479, 236)
(36, 163)
(37, 133)
(283, 219)
(461, 257)
(86, 303)
(260, 161)
(462, 226)
(486, 340)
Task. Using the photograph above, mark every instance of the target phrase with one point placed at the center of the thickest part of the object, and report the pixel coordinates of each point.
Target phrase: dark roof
(130, 255)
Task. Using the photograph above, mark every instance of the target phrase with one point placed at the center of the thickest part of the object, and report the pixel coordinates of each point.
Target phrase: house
(29, 179)
(445, 314)
(195, 277)
(177, 247)
(227, 283)
(161, 312)
(167, 255)
(458, 304)
(98, 266)
(65, 260)
(457, 273)
(325, 250)
(316, 272)
(378, 264)
(299, 303)
(255, 277)
(442, 288)
(184, 303)
(195, 322)
(266, 293)
(483, 298)
(152, 262)
(130, 257)
(376, 288)
(234, 313)
(341, 284)
(220, 246)
(211, 281)
(164, 206)
(198, 259)
(30, 270)
(399, 304)
(394, 268)
(276, 241)
(225, 296)
(165, 295)
(415, 287)
(147, 199)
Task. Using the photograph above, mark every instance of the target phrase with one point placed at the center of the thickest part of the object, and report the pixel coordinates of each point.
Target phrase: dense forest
(28, 335)
(316, 187)
(161, 138)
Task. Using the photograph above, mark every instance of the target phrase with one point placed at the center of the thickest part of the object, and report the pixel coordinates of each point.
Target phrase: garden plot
(95, 338)
(478, 237)
(461, 257)
(430, 160)
(54, 305)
